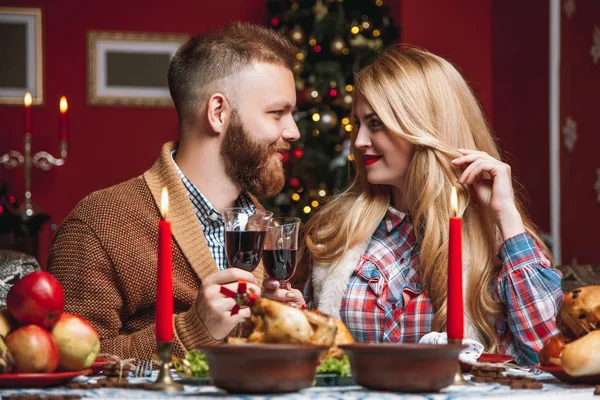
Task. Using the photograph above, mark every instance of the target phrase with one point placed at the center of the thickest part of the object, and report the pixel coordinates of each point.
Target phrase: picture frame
(129, 68)
(21, 58)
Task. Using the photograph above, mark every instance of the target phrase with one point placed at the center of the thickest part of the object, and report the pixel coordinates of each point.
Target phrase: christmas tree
(334, 39)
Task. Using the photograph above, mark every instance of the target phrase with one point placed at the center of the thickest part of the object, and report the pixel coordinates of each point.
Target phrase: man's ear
(218, 112)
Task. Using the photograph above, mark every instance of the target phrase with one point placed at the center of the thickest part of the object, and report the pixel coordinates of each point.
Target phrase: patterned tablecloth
(552, 389)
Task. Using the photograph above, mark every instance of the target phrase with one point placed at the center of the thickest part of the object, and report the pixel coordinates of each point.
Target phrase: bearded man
(234, 92)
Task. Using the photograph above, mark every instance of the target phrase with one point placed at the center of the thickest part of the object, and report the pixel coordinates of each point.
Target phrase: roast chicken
(275, 322)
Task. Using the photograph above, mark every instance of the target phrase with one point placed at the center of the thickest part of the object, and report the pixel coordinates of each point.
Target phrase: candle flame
(164, 203)
(27, 99)
(454, 201)
(64, 106)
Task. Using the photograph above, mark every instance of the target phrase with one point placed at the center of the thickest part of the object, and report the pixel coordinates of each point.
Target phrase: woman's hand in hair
(492, 182)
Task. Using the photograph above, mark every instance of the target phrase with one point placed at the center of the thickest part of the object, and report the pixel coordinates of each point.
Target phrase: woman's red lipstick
(369, 159)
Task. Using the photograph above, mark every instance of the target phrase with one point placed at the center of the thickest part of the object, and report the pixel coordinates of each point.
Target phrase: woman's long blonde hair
(423, 99)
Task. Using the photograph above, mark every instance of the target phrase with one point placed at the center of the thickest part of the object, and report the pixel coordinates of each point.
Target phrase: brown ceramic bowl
(262, 368)
(403, 367)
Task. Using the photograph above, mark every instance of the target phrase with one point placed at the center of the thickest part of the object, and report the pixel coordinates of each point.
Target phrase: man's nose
(291, 132)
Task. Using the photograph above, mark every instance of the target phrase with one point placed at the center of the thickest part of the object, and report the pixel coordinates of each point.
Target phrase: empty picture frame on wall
(130, 69)
(21, 52)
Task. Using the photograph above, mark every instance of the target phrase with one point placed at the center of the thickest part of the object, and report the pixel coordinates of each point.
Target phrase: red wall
(579, 92)
(463, 35)
(520, 61)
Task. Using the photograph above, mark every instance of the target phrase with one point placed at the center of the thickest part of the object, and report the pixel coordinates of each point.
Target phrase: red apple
(37, 299)
(34, 349)
(78, 342)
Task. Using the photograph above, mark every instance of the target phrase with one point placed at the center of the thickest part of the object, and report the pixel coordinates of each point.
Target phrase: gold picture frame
(21, 58)
(130, 68)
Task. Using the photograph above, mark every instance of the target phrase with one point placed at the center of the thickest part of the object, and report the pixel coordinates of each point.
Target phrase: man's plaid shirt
(211, 220)
(385, 302)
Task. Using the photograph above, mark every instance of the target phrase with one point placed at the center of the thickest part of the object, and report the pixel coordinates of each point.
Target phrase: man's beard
(251, 164)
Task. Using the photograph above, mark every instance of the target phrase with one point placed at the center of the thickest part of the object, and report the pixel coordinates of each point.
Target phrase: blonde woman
(379, 251)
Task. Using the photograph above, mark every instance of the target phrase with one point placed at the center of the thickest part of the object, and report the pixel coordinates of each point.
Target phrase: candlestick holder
(41, 159)
(459, 379)
(164, 382)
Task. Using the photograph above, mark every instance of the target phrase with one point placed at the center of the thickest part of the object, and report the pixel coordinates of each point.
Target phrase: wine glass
(281, 247)
(245, 231)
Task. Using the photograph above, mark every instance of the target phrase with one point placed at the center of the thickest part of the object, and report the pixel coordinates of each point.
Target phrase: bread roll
(580, 310)
(582, 356)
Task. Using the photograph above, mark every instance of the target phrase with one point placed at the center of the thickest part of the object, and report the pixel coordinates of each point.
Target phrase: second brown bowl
(262, 368)
(403, 367)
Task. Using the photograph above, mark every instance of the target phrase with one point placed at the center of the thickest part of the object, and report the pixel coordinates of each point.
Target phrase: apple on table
(48, 337)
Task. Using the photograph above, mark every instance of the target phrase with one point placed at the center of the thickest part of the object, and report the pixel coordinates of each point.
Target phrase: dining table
(202, 388)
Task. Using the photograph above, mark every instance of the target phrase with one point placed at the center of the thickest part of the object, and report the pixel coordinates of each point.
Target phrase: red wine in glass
(280, 264)
(244, 248)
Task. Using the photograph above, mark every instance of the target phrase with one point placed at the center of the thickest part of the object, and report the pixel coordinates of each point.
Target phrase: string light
(316, 117)
(307, 210)
(298, 153)
(349, 88)
(312, 41)
(295, 197)
(348, 127)
(366, 25)
(345, 121)
(299, 56)
(338, 147)
(316, 132)
(351, 157)
(317, 48)
(376, 33)
(322, 193)
(314, 94)
(314, 203)
(345, 51)
(355, 30)
(379, 3)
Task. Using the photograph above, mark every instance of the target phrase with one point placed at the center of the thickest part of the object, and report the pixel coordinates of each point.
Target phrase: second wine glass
(281, 248)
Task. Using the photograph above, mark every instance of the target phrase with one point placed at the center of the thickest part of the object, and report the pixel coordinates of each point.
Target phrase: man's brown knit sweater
(105, 256)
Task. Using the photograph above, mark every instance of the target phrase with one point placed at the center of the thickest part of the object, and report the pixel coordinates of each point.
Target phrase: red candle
(62, 126)
(164, 284)
(27, 100)
(455, 317)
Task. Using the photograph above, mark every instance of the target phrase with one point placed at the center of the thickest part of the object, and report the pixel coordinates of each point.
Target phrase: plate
(26, 380)
(487, 358)
(560, 374)
(98, 365)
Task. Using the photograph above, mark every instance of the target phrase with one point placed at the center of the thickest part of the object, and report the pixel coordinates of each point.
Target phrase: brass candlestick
(165, 381)
(459, 379)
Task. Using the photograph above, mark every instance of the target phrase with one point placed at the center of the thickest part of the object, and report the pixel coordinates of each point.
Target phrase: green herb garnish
(335, 366)
(193, 364)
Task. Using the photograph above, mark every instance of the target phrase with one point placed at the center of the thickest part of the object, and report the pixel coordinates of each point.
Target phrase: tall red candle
(455, 316)
(27, 100)
(164, 284)
(62, 125)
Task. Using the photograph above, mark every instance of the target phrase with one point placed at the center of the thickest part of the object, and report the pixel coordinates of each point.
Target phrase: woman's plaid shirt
(385, 301)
